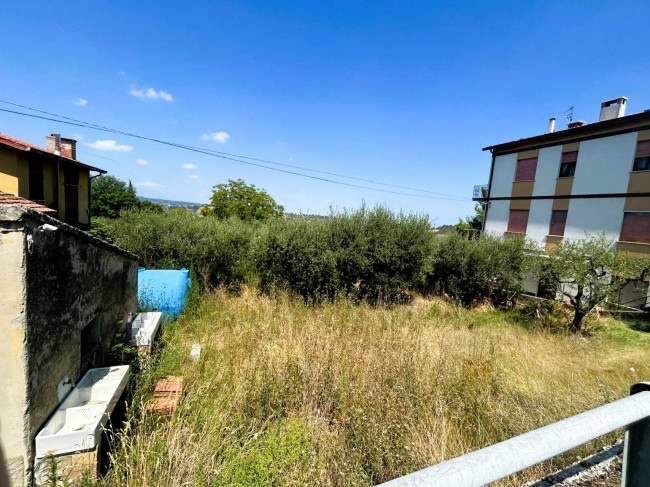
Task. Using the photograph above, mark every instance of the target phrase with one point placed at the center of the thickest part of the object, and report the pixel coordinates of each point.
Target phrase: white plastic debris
(195, 354)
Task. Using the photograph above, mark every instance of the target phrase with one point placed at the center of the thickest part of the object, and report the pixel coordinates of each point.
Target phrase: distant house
(586, 179)
(50, 176)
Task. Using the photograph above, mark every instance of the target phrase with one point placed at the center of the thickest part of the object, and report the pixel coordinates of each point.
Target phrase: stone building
(64, 294)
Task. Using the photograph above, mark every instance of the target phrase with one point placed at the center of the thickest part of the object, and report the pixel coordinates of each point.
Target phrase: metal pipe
(510, 456)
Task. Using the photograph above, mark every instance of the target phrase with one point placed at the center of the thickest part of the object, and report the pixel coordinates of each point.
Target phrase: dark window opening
(558, 222)
(90, 346)
(568, 164)
(567, 169)
(71, 176)
(642, 156)
(36, 191)
(641, 164)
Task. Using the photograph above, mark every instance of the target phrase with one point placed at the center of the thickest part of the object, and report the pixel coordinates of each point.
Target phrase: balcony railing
(480, 191)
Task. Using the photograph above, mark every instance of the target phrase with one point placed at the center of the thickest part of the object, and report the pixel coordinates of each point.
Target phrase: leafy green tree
(472, 225)
(110, 195)
(590, 272)
(241, 200)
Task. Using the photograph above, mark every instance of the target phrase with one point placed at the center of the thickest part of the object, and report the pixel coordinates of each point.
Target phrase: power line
(237, 155)
(80, 123)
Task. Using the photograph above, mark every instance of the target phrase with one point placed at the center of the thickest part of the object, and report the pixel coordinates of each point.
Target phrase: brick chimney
(53, 143)
(61, 146)
(69, 148)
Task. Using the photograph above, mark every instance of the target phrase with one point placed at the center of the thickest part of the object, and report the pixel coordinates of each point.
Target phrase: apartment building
(566, 184)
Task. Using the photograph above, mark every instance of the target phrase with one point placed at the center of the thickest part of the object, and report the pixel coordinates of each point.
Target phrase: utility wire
(238, 155)
(80, 123)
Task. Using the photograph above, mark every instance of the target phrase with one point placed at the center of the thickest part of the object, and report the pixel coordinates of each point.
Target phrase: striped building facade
(587, 179)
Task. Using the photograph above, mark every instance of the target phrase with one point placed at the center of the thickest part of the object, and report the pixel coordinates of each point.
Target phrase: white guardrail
(495, 462)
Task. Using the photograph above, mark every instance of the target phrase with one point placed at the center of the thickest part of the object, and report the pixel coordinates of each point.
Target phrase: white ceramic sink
(78, 422)
(144, 328)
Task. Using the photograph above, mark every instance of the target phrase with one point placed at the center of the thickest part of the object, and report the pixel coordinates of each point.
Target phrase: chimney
(53, 143)
(69, 148)
(551, 126)
(611, 109)
(576, 124)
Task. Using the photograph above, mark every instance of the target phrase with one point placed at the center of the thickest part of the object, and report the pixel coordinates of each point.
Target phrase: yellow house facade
(50, 176)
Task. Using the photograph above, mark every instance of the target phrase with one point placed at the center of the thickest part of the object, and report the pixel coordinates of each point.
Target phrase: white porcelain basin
(78, 422)
(144, 328)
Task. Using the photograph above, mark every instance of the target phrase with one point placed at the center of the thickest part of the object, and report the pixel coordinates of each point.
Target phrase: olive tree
(590, 272)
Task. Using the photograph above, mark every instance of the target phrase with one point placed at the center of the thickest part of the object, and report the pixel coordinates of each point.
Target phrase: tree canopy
(590, 272)
(110, 195)
(244, 201)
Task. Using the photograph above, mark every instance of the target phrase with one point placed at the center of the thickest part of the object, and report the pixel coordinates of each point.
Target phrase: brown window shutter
(643, 149)
(636, 227)
(570, 156)
(518, 221)
(526, 169)
(558, 222)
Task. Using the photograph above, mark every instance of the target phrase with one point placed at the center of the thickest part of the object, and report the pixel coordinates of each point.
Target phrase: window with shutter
(526, 169)
(642, 156)
(636, 227)
(568, 165)
(518, 221)
(558, 222)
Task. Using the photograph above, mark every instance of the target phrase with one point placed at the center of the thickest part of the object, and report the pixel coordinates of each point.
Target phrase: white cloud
(189, 166)
(80, 102)
(142, 162)
(220, 137)
(150, 185)
(121, 73)
(193, 176)
(109, 145)
(150, 94)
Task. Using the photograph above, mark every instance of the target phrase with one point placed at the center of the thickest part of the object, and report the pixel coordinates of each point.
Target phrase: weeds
(345, 394)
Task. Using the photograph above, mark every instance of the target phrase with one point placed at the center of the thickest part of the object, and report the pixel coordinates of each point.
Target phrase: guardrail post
(636, 453)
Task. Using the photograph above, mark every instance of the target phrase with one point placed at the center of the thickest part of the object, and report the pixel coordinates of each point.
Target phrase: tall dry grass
(287, 394)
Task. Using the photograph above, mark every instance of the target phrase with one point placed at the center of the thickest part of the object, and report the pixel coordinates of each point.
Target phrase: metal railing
(495, 462)
(480, 190)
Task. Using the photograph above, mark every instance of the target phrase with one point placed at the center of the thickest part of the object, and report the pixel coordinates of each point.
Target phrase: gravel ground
(600, 470)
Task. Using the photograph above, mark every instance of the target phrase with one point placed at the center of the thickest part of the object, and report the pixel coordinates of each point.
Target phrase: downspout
(90, 182)
(58, 202)
(487, 202)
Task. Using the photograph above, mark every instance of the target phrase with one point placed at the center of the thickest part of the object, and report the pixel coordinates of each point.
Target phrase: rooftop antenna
(569, 113)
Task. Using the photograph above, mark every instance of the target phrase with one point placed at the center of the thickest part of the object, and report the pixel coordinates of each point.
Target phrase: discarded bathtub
(163, 290)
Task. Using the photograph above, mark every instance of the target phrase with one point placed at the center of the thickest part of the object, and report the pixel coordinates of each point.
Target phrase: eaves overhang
(616, 126)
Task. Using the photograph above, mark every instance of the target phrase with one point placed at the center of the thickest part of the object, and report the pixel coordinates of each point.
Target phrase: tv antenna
(569, 113)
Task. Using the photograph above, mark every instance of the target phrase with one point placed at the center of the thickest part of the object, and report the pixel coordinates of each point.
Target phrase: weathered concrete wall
(76, 291)
(12, 361)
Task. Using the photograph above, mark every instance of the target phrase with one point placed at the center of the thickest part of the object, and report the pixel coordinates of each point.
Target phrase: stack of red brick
(166, 395)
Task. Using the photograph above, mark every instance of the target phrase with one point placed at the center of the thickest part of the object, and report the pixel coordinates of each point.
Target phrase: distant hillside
(174, 204)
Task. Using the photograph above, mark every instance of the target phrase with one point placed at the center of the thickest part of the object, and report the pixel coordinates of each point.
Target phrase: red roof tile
(10, 199)
(22, 145)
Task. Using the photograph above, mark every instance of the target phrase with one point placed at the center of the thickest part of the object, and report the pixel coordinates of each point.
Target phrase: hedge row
(375, 255)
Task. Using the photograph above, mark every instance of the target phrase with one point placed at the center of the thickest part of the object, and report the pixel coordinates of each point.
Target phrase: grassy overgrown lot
(349, 394)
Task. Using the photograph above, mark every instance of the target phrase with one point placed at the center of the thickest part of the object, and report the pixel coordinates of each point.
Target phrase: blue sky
(401, 92)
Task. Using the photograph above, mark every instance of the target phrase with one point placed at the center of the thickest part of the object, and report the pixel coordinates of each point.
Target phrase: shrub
(472, 271)
(296, 254)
